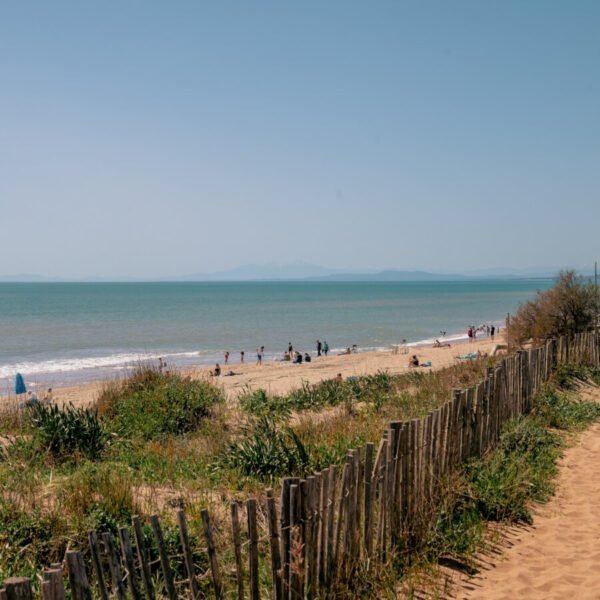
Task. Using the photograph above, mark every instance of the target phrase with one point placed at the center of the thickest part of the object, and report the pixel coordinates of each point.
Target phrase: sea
(58, 334)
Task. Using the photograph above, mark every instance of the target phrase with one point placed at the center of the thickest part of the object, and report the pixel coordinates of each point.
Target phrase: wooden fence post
(274, 540)
(237, 548)
(18, 588)
(187, 553)
(80, 587)
(253, 549)
(212, 554)
(164, 558)
(142, 557)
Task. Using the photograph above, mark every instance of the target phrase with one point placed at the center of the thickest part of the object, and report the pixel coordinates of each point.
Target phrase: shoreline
(278, 377)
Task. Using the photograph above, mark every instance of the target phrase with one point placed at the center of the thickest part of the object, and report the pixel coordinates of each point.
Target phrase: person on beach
(325, 348)
(226, 358)
(298, 358)
(338, 378)
(290, 348)
(413, 362)
(438, 344)
(307, 357)
(242, 357)
(345, 352)
(470, 334)
(492, 331)
(47, 399)
(319, 348)
(259, 356)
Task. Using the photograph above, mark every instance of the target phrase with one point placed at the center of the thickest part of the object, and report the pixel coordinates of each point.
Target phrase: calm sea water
(62, 333)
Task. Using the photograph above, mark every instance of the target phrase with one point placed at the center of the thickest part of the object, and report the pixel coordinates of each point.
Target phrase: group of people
(489, 330)
(290, 355)
(29, 397)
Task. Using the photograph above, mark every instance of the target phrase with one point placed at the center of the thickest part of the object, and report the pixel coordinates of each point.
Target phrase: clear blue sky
(154, 138)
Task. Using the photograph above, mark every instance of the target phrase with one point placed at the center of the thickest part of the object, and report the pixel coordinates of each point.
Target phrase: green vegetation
(571, 306)
(68, 432)
(159, 440)
(503, 486)
(153, 405)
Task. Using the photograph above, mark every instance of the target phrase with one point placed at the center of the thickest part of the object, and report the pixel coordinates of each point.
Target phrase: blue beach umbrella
(20, 385)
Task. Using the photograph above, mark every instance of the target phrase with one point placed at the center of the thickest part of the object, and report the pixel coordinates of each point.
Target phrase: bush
(40, 540)
(99, 496)
(265, 452)
(564, 411)
(68, 431)
(152, 404)
(566, 376)
(569, 307)
(258, 403)
(519, 471)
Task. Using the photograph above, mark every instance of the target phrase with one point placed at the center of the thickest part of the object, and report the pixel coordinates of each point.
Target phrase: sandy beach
(558, 556)
(280, 377)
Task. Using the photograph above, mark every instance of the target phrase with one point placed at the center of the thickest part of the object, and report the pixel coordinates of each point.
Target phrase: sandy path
(559, 556)
(281, 377)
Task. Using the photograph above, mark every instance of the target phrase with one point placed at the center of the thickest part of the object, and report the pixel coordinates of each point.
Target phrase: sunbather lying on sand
(438, 344)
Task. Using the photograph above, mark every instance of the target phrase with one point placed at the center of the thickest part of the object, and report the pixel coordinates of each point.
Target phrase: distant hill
(390, 275)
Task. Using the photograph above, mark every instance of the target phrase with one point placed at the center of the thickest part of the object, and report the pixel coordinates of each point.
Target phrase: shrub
(569, 307)
(99, 496)
(40, 539)
(264, 451)
(566, 376)
(258, 403)
(68, 431)
(564, 411)
(153, 404)
(325, 393)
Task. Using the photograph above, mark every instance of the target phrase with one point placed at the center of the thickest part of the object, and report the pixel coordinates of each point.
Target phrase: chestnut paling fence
(322, 530)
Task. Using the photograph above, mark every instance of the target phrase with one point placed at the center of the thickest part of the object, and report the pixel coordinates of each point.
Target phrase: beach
(278, 377)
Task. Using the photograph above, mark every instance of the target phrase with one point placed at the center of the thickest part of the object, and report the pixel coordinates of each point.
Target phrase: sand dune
(558, 557)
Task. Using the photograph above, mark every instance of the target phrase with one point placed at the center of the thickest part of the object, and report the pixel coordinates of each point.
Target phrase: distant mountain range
(300, 271)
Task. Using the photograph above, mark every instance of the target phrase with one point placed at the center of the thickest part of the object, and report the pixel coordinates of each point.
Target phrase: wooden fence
(325, 528)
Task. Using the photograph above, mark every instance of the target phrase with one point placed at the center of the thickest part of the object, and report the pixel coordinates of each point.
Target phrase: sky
(149, 139)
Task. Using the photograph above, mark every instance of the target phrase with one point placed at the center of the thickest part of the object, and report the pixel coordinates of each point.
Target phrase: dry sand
(281, 377)
(558, 557)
